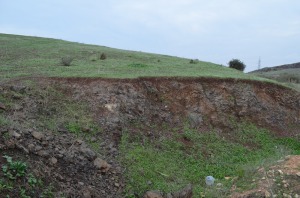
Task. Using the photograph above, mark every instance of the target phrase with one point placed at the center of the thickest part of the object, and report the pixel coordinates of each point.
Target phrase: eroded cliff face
(203, 103)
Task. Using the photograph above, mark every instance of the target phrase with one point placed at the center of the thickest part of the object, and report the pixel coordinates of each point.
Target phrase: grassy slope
(32, 56)
(168, 164)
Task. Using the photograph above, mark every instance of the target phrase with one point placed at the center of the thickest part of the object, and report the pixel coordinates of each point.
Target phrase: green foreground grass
(168, 164)
(22, 56)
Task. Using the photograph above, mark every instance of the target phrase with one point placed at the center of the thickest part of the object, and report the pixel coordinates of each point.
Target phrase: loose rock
(2, 106)
(14, 134)
(101, 164)
(53, 160)
(152, 194)
(37, 135)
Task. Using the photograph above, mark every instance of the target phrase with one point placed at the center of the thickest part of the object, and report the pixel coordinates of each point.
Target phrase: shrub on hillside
(103, 56)
(237, 64)
(66, 61)
(194, 61)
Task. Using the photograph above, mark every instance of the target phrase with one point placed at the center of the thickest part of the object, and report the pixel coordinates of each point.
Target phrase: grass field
(168, 164)
(22, 56)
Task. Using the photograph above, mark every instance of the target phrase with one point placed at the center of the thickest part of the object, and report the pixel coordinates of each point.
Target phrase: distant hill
(277, 68)
(289, 74)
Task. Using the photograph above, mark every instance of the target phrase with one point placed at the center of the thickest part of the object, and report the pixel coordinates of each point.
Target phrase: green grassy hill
(33, 56)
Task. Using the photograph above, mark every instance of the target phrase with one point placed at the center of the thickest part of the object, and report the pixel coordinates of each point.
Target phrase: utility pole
(259, 62)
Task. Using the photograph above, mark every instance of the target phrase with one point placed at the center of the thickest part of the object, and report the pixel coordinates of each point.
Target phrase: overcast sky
(210, 30)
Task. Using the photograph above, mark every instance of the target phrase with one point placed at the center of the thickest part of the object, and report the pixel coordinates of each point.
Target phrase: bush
(102, 56)
(237, 64)
(66, 61)
(194, 61)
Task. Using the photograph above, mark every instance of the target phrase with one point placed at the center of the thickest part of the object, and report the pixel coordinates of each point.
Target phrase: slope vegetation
(31, 56)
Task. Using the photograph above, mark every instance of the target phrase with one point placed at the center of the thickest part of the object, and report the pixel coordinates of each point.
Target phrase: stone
(101, 164)
(117, 185)
(152, 194)
(267, 194)
(14, 134)
(195, 119)
(37, 135)
(280, 172)
(31, 147)
(53, 160)
(219, 186)
(88, 153)
(298, 174)
(2, 106)
(18, 88)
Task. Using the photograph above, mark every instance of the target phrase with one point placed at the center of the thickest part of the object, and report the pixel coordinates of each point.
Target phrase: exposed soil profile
(76, 169)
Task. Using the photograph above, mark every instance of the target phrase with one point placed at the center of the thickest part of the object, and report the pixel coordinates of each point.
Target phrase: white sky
(210, 30)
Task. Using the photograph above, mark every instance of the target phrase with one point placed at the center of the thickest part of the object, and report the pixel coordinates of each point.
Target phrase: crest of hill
(26, 56)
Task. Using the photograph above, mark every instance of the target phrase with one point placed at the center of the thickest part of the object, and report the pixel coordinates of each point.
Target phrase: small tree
(237, 64)
(102, 56)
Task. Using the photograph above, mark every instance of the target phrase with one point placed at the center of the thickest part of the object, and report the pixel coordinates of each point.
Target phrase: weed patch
(18, 181)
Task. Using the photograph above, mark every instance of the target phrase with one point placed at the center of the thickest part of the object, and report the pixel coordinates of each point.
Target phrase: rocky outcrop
(201, 102)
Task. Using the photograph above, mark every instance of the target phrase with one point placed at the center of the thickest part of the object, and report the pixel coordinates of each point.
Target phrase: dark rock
(2, 106)
(31, 147)
(18, 88)
(53, 160)
(88, 153)
(43, 153)
(195, 119)
(38, 148)
(14, 134)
